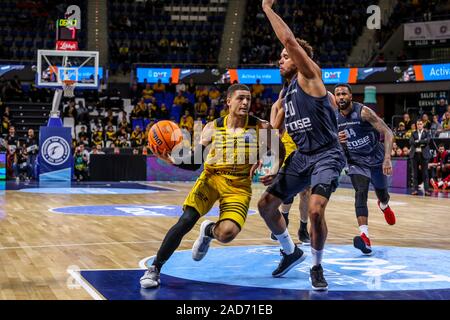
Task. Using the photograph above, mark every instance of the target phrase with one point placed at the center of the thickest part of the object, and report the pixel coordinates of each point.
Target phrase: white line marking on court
(78, 278)
(235, 240)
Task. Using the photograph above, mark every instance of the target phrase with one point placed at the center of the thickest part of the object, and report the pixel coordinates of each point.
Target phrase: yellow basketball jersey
(289, 144)
(233, 153)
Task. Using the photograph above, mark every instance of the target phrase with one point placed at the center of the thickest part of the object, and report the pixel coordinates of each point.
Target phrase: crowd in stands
(407, 11)
(427, 156)
(331, 27)
(145, 32)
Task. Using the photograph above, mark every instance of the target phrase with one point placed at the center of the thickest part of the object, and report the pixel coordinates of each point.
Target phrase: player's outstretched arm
(370, 116)
(306, 66)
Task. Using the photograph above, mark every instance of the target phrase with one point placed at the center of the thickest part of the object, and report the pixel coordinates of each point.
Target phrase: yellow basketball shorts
(234, 196)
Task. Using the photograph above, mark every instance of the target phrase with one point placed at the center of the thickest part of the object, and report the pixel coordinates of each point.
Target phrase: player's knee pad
(382, 195)
(361, 203)
(324, 190)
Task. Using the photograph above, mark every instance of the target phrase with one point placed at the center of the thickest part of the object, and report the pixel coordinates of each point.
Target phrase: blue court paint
(241, 273)
(131, 210)
(389, 269)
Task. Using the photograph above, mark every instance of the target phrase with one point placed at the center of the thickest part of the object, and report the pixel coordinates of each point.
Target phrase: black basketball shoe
(318, 281)
(303, 236)
(288, 261)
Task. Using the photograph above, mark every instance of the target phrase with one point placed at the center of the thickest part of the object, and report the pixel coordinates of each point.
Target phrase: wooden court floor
(37, 246)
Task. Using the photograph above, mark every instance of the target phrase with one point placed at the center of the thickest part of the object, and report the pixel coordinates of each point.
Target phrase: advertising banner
(55, 157)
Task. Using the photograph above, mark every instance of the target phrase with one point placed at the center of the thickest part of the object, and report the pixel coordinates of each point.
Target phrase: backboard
(55, 66)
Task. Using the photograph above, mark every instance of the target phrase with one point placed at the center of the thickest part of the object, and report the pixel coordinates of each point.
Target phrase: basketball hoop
(68, 88)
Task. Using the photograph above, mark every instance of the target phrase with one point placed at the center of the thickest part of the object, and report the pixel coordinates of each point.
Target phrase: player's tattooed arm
(370, 116)
(306, 66)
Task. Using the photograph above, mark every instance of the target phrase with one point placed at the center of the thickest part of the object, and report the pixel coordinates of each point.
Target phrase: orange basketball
(164, 135)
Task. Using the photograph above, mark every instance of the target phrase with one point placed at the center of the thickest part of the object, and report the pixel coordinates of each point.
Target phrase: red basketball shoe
(362, 243)
(389, 215)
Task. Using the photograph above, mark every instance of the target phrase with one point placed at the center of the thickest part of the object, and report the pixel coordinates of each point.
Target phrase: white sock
(316, 256)
(286, 242)
(364, 229)
(383, 206)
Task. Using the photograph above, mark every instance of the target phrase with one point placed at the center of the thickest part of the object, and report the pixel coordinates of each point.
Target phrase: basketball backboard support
(55, 66)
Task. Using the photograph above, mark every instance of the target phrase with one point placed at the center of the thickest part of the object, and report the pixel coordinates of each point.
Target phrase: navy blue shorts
(375, 174)
(301, 170)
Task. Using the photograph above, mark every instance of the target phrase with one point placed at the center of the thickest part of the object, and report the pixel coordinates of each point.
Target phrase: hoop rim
(68, 82)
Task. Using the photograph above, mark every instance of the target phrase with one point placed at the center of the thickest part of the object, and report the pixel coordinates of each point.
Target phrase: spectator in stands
(122, 137)
(171, 87)
(446, 122)
(420, 155)
(191, 87)
(214, 96)
(125, 124)
(163, 112)
(83, 113)
(405, 151)
(440, 166)
(398, 153)
(116, 150)
(97, 140)
(21, 166)
(137, 137)
(410, 131)
(83, 133)
(441, 106)
(257, 89)
(159, 87)
(135, 93)
(400, 131)
(96, 150)
(147, 93)
(6, 123)
(407, 121)
(186, 122)
(109, 117)
(31, 144)
(394, 149)
(200, 108)
(70, 111)
(110, 133)
(426, 121)
(80, 163)
(135, 151)
(435, 127)
(153, 112)
(179, 100)
(140, 110)
(201, 91)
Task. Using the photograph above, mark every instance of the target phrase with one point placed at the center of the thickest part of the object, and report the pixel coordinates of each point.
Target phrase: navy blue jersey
(311, 122)
(363, 144)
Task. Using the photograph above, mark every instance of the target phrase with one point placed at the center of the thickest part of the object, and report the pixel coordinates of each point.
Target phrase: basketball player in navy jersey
(310, 120)
(368, 160)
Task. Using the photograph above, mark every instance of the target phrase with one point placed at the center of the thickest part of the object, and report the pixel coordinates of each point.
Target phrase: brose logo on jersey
(300, 124)
(358, 143)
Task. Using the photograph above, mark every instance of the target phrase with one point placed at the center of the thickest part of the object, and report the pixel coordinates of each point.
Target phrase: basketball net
(68, 88)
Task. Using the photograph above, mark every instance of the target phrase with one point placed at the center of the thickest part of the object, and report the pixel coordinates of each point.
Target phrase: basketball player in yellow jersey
(228, 169)
(276, 121)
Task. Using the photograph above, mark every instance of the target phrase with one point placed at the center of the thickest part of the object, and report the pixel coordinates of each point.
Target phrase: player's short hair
(441, 145)
(343, 85)
(235, 87)
(306, 46)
